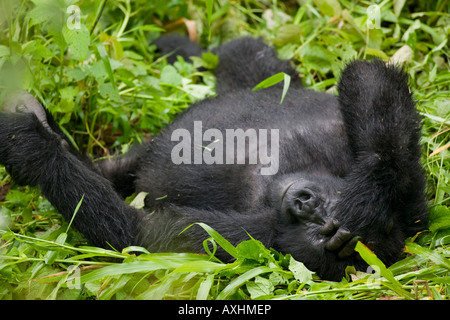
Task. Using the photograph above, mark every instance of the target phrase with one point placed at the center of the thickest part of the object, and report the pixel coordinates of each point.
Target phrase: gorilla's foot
(22, 101)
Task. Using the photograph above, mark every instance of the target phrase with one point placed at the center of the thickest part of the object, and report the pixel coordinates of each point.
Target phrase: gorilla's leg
(35, 155)
(245, 62)
(175, 45)
(122, 170)
(23, 102)
(383, 201)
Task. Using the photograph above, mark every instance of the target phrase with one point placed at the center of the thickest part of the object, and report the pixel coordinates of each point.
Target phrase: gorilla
(310, 176)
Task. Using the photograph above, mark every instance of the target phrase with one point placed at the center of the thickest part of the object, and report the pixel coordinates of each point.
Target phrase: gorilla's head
(307, 206)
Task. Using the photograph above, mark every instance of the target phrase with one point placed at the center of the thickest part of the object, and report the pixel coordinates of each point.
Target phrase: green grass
(107, 88)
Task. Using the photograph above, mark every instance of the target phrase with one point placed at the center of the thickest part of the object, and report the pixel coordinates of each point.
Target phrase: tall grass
(107, 88)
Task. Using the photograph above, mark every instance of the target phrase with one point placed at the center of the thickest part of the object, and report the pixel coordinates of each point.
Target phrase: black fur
(348, 167)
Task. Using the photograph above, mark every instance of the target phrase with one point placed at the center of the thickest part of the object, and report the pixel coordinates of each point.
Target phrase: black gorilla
(343, 168)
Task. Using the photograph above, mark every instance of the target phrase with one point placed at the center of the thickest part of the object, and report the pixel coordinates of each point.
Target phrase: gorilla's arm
(161, 230)
(385, 189)
(35, 154)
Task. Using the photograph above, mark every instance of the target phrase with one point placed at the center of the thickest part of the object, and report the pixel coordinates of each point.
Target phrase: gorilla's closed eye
(305, 196)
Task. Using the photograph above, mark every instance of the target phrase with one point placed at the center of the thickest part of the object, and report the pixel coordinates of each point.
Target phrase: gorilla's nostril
(299, 205)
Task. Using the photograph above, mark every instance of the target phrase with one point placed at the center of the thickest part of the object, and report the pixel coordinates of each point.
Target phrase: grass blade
(205, 287)
(433, 256)
(273, 80)
(221, 241)
(373, 260)
(125, 268)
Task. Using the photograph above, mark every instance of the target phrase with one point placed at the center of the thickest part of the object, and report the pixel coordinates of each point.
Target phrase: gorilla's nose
(305, 201)
(301, 203)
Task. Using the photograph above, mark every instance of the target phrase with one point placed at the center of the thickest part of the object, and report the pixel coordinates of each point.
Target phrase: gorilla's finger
(349, 248)
(341, 236)
(329, 227)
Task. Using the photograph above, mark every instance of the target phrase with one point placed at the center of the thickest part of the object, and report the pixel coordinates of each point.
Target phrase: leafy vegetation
(91, 65)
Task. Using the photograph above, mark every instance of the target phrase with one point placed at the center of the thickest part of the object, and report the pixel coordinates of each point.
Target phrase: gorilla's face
(307, 225)
(306, 199)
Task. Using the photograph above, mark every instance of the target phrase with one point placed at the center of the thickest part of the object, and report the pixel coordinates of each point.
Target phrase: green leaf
(78, 41)
(139, 201)
(289, 33)
(18, 198)
(108, 91)
(260, 287)
(48, 12)
(270, 81)
(134, 249)
(210, 60)
(439, 218)
(300, 272)
(75, 213)
(329, 7)
(170, 75)
(76, 74)
(67, 102)
(197, 92)
(127, 268)
(411, 30)
(107, 64)
(315, 56)
(249, 249)
(200, 266)
(377, 53)
(287, 82)
(241, 280)
(148, 27)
